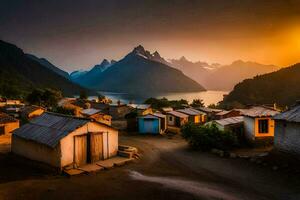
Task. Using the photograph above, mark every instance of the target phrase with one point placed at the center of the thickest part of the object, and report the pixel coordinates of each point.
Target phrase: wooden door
(2, 130)
(148, 126)
(80, 150)
(96, 149)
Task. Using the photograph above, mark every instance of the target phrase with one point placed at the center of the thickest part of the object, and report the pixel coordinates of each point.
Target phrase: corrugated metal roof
(167, 109)
(292, 115)
(159, 115)
(154, 115)
(224, 112)
(140, 106)
(90, 111)
(191, 111)
(259, 111)
(50, 128)
(230, 120)
(209, 110)
(149, 117)
(178, 114)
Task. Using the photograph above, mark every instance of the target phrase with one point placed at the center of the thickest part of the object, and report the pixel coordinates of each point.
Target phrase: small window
(170, 118)
(263, 126)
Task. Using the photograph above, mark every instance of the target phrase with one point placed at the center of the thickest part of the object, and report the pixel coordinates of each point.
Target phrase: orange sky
(79, 34)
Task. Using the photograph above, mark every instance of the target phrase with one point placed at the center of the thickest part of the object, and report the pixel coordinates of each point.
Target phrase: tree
(47, 97)
(35, 97)
(101, 98)
(65, 110)
(83, 95)
(213, 106)
(51, 97)
(207, 137)
(197, 103)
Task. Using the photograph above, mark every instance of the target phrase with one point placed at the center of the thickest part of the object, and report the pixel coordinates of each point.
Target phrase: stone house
(287, 131)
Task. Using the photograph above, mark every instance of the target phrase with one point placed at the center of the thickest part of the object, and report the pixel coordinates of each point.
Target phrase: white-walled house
(258, 124)
(287, 131)
(61, 140)
(176, 119)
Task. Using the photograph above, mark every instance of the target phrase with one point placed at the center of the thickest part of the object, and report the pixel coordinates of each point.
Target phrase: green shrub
(207, 137)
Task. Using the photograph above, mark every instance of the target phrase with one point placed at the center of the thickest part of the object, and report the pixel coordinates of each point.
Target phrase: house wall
(203, 118)
(271, 128)
(67, 143)
(165, 125)
(119, 112)
(287, 137)
(249, 126)
(11, 126)
(36, 151)
(155, 126)
(183, 121)
(220, 127)
(35, 113)
(252, 131)
(171, 120)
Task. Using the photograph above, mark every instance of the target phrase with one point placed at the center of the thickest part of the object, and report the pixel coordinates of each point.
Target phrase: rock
(275, 168)
(232, 155)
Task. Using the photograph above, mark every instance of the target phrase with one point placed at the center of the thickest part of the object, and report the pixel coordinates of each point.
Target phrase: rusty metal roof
(191, 111)
(292, 115)
(208, 110)
(177, 114)
(50, 128)
(259, 111)
(159, 115)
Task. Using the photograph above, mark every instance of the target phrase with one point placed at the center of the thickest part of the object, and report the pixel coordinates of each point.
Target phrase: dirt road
(167, 170)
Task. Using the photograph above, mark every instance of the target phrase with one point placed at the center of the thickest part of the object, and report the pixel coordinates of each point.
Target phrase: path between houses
(166, 170)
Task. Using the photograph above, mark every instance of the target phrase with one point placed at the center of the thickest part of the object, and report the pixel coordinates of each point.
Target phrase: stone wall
(287, 137)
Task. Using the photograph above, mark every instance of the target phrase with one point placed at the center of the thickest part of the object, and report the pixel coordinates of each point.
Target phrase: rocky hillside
(281, 87)
(19, 74)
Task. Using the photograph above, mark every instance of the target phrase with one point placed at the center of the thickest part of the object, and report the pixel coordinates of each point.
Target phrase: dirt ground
(166, 170)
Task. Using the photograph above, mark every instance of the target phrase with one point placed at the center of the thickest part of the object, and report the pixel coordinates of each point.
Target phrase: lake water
(209, 97)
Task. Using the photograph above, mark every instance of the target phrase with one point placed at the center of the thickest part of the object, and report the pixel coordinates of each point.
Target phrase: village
(100, 137)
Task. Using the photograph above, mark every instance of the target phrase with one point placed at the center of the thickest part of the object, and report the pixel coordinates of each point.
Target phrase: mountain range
(138, 72)
(49, 65)
(20, 73)
(281, 87)
(221, 77)
(81, 77)
(210, 76)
